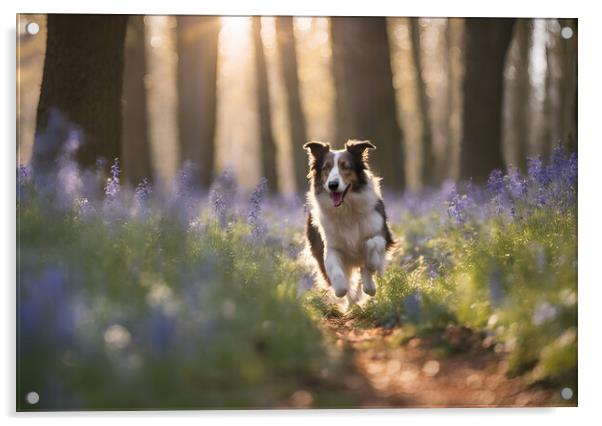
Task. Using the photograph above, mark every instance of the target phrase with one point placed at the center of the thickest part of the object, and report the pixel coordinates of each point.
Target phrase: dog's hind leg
(336, 272)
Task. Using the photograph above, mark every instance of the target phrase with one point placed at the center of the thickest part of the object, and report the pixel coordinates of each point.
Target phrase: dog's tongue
(337, 198)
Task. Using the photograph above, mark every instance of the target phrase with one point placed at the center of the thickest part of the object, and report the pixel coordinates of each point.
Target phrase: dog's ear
(359, 148)
(316, 148)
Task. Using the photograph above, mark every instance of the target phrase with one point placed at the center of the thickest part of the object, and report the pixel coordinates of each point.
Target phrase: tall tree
(521, 111)
(136, 150)
(551, 107)
(486, 42)
(82, 79)
(268, 145)
(568, 87)
(365, 97)
(288, 66)
(453, 69)
(428, 174)
(197, 38)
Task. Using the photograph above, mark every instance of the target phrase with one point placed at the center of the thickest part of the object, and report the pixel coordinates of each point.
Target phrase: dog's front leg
(333, 262)
(375, 254)
(367, 282)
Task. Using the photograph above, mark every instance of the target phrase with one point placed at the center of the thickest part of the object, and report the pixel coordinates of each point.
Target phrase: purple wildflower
(162, 329)
(112, 187)
(457, 206)
(143, 191)
(495, 183)
(258, 228)
(543, 313)
(496, 288)
(222, 195)
(412, 306)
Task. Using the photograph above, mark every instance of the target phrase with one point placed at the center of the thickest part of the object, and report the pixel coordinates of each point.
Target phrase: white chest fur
(347, 228)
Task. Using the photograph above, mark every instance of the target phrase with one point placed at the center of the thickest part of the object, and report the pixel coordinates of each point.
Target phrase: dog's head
(337, 172)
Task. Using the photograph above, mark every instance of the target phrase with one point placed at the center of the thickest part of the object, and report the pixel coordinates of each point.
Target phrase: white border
(590, 96)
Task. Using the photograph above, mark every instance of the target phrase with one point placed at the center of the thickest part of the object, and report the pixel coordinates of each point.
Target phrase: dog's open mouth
(338, 197)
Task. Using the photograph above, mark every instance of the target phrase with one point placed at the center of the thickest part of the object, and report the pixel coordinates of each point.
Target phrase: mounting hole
(566, 393)
(32, 28)
(32, 398)
(566, 32)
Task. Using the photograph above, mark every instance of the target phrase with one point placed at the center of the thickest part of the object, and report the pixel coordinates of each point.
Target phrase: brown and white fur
(346, 225)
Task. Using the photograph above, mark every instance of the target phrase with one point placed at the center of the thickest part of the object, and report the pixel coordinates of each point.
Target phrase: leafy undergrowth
(170, 298)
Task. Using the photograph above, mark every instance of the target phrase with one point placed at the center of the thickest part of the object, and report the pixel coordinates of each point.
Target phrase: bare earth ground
(386, 371)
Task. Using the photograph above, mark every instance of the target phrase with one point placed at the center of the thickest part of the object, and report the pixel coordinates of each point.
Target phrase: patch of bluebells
(514, 195)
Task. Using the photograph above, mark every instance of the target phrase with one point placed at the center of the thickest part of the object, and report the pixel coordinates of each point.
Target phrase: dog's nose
(333, 185)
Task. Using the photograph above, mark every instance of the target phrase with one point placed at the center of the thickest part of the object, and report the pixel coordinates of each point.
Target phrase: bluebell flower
(412, 306)
(543, 313)
(496, 286)
(456, 209)
(495, 182)
(222, 196)
(112, 187)
(161, 329)
(258, 228)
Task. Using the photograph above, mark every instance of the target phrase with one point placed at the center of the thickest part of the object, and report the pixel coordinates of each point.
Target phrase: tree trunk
(268, 145)
(197, 38)
(521, 110)
(82, 79)
(288, 65)
(486, 43)
(454, 61)
(365, 97)
(568, 94)
(551, 107)
(428, 158)
(136, 150)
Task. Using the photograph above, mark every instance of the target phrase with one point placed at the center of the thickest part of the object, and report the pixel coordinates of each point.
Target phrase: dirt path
(386, 372)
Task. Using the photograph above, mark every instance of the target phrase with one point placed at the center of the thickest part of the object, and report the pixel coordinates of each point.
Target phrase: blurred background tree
(486, 42)
(136, 153)
(82, 78)
(440, 98)
(365, 99)
(197, 38)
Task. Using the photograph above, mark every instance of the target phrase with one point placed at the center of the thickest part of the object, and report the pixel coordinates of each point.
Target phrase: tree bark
(288, 66)
(486, 43)
(522, 88)
(365, 97)
(568, 94)
(197, 38)
(136, 150)
(82, 79)
(428, 158)
(268, 145)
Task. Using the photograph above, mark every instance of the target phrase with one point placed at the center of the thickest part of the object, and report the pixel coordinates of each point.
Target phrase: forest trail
(417, 373)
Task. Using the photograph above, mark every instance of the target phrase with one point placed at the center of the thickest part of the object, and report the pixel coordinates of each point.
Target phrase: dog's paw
(339, 285)
(340, 292)
(369, 288)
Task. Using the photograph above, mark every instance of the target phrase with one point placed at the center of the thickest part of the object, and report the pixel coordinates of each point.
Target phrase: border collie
(346, 225)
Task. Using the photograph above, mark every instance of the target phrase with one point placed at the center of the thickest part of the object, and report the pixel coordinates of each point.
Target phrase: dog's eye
(344, 165)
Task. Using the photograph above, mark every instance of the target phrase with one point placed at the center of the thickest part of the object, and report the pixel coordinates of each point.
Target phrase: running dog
(346, 225)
